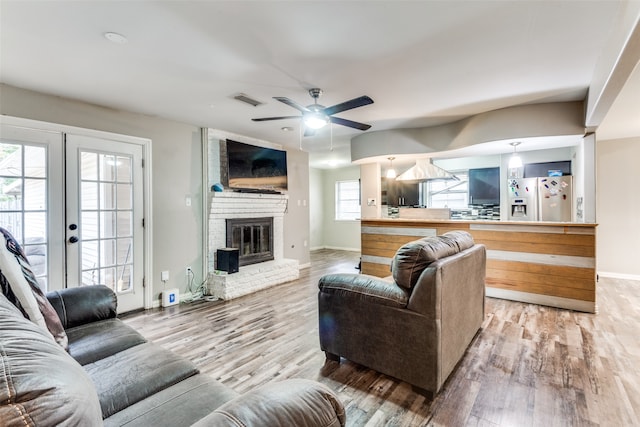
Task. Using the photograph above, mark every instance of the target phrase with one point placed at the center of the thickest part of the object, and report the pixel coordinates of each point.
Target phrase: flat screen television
(484, 186)
(256, 169)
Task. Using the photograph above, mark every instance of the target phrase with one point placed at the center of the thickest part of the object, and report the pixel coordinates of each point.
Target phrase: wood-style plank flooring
(529, 365)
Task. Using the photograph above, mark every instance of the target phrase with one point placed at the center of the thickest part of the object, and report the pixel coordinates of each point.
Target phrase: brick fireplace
(251, 211)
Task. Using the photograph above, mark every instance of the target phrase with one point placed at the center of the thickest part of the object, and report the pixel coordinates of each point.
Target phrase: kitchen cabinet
(399, 193)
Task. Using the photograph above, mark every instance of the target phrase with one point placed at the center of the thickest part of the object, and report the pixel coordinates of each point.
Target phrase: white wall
(370, 190)
(618, 207)
(336, 234)
(296, 218)
(585, 180)
(316, 208)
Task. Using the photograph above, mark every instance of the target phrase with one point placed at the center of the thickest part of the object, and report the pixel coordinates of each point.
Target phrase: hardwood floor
(529, 365)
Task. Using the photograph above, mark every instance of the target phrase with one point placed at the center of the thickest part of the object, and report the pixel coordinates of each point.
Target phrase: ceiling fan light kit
(315, 120)
(316, 116)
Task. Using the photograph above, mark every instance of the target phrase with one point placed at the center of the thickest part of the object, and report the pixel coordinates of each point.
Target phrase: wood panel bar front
(538, 262)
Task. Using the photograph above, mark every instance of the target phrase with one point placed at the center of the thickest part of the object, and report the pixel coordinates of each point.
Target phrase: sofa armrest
(293, 402)
(86, 304)
(363, 287)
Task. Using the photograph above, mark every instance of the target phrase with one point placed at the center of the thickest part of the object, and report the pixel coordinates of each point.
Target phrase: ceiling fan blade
(349, 123)
(309, 132)
(293, 104)
(264, 119)
(348, 105)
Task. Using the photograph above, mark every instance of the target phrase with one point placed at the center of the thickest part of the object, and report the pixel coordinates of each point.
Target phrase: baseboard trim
(618, 275)
(337, 248)
(558, 302)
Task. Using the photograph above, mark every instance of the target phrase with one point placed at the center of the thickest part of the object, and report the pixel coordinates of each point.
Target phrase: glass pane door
(30, 198)
(104, 222)
(106, 216)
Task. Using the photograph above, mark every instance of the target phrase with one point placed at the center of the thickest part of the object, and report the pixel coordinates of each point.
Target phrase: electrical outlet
(164, 276)
(188, 271)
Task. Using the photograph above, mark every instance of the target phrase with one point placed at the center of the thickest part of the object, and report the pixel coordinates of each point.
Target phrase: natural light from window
(347, 200)
(448, 193)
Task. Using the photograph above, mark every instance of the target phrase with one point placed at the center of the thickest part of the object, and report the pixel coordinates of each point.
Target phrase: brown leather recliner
(415, 325)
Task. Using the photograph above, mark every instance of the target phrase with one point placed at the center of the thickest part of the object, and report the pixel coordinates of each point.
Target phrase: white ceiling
(422, 62)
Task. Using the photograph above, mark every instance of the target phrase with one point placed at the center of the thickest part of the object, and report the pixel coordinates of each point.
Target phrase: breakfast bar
(548, 263)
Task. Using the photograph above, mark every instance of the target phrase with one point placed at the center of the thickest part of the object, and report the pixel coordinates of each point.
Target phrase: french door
(104, 217)
(76, 204)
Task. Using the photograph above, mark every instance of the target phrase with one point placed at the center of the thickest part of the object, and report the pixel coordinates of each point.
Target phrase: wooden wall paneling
(379, 270)
(548, 259)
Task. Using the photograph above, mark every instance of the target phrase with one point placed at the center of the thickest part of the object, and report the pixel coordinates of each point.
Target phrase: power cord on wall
(198, 293)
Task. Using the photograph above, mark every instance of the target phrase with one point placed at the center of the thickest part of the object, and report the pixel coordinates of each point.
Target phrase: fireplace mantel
(241, 205)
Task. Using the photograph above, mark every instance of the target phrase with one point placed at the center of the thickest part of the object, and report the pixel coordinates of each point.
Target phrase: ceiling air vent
(247, 100)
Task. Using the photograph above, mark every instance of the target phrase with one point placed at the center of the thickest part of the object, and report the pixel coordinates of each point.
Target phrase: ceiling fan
(316, 116)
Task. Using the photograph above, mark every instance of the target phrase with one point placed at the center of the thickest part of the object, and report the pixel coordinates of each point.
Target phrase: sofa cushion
(180, 405)
(412, 258)
(134, 374)
(297, 402)
(364, 288)
(462, 239)
(97, 340)
(21, 288)
(40, 384)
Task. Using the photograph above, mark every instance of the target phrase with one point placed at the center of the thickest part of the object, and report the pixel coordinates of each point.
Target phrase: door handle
(73, 239)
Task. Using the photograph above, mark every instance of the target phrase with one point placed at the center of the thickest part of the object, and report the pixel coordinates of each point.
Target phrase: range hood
(424, 170)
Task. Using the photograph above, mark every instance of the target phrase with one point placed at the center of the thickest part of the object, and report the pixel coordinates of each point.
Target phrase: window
(23, 201)
(347, 200)
(447, 193)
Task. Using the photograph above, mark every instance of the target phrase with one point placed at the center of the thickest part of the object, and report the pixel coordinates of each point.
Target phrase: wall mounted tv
(484, 186)
(256, 169)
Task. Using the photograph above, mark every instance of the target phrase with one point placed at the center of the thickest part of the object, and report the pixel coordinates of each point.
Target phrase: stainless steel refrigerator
(540, 199)
(555, 198)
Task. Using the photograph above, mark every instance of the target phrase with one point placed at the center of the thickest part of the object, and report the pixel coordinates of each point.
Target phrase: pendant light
(515, 161)
(391, 172)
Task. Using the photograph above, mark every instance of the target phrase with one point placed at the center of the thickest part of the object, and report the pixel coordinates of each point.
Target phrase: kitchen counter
(549, 263)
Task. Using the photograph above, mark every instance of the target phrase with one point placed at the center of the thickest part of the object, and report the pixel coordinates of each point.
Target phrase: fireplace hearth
(253, 237)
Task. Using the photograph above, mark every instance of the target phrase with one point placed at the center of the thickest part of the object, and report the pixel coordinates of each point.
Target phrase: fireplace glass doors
(253, 237)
